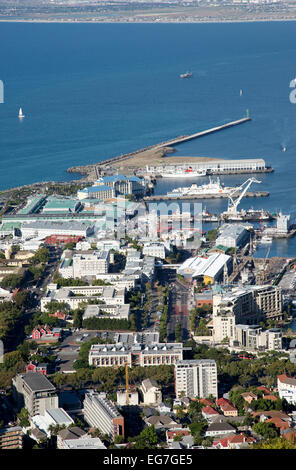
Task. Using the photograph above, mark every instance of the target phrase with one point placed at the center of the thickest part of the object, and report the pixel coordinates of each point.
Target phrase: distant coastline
(198, 21)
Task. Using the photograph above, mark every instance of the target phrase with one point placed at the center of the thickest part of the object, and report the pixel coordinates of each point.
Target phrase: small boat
(186, 75)
(284, 149)
(265, 240)
(240, 92)
(20, 114)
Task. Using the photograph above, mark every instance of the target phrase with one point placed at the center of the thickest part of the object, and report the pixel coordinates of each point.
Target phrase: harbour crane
(232, 204)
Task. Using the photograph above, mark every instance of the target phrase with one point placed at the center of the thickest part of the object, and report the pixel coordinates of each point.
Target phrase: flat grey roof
(37, 382)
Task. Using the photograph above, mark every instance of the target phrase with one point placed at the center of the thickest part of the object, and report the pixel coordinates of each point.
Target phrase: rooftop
(37, 382)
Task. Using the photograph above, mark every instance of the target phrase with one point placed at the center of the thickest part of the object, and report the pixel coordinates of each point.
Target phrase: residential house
(219, 429)
(163, 408)
(208, 412)
(249, 396)
(287, 388)
(234, 441)
(34, 366)
(161, 422)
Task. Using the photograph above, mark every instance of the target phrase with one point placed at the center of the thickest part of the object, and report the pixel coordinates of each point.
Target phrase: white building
(49, 228)
(253, 337)
(210, 269)
(51, 417)
(100, 413)
(196, 378)
(117, 312)
(90, 264)
(287, 388)
(133, 398)
(233, 235)
(151, 392)
(157, 250)
(79, 294)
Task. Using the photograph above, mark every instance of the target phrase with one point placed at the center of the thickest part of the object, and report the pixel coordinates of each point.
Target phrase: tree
(276, 443)
(147, 439)
(266, 430)
(23, 418)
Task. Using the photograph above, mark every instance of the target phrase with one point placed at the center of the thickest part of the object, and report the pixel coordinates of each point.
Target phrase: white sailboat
(20, 114)
(240, 92)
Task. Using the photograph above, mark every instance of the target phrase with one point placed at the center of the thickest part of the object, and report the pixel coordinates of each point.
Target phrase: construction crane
(232, 204)
(126, 382)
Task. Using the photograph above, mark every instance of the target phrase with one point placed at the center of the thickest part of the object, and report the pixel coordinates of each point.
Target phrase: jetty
(182, 139)
(163, 197)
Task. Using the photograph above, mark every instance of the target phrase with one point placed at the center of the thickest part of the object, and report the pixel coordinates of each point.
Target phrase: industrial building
(48, 228)
(233, 235)
(100, 413)
(218, 166)
(108, 187)
(196, 378)
(210, 269)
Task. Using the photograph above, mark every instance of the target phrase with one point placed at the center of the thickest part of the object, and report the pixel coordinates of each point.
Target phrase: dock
(163, 197)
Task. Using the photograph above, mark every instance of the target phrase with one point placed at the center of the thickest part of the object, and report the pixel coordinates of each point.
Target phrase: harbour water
(93, 91)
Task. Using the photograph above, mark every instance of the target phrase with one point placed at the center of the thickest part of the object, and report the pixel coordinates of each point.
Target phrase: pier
(163, 197)
(181, 139)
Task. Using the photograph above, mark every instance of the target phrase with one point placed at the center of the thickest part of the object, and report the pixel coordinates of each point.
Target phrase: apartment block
(35, 392)
(11, 437)
(196, 378)
(100, 413)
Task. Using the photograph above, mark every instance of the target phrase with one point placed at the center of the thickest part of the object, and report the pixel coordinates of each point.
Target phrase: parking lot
(68, 350)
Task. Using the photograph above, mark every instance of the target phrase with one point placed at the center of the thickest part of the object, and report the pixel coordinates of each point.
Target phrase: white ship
(212, 188)
(186, 75)
(20, 114)
(188, 173)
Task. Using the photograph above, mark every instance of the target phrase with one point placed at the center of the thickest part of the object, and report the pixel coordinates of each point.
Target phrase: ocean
(94, 91)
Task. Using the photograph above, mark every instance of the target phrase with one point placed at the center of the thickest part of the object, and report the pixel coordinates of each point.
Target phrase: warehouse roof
(198, 266)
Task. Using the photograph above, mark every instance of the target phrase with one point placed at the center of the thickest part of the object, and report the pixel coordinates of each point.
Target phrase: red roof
(270, 397)
(222, 401)
(235, 439)
(206, 401)
(279, 423)
(264, 389)
(227, 407)
(208, 410)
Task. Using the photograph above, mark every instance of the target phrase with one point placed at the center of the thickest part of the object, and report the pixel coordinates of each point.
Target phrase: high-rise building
(196, 378)
(100, 413)
(34, 392)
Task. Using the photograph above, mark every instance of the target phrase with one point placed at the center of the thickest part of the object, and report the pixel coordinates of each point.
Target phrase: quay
(163, 197)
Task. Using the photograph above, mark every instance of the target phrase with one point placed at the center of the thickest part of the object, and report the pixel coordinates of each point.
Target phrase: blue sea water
(93, 91)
